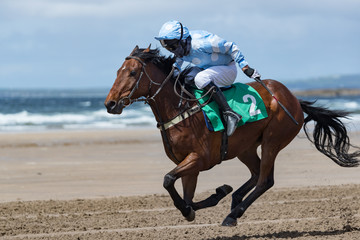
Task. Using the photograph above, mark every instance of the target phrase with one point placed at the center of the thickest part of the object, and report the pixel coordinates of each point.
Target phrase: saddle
(242, 98)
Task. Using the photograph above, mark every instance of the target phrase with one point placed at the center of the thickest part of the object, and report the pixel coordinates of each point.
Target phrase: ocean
(39, 110)
(42, 110)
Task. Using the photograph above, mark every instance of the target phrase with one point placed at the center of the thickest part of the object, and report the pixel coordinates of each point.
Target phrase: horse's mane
(162, 62)
(153, 55)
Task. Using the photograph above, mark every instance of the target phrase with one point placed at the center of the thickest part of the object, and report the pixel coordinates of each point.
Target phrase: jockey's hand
(252, 73)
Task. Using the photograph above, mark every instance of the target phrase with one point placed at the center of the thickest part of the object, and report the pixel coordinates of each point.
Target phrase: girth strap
(179, 118)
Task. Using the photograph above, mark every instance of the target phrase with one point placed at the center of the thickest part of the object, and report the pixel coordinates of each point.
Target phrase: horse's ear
(148, 49)
(135, 49)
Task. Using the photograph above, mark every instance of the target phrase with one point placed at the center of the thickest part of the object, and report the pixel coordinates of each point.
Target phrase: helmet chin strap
(187, 45)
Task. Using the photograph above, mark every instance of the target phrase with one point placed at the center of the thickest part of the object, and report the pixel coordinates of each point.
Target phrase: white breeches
(222, 76)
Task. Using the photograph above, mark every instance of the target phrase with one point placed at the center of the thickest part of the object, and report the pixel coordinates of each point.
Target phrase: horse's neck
(165, 103)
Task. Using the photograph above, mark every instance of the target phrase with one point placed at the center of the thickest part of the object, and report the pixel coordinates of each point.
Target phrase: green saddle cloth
(242, 98)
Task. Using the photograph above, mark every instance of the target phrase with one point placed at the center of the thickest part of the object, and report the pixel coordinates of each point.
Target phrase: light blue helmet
(173, 30)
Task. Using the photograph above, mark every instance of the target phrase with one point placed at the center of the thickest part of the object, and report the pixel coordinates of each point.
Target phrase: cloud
(61, 9)
(300, 37)
(81, 8)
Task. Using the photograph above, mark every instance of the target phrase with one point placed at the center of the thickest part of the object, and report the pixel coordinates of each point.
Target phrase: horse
(147, 76)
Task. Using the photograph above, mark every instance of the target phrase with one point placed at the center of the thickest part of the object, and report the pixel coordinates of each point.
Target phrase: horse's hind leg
(252, 161)
(265, 182)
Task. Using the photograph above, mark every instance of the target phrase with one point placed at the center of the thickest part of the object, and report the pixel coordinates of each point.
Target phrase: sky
(82, 43)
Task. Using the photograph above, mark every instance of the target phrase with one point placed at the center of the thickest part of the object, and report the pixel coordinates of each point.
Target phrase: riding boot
(231, 118)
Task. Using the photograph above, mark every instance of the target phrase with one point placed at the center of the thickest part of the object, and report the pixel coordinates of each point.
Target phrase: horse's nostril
(110, 105)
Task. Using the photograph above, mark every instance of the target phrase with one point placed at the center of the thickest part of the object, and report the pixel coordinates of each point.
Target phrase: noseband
(126, 101)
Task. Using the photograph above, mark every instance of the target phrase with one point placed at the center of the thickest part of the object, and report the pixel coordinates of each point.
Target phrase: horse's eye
(133, 73)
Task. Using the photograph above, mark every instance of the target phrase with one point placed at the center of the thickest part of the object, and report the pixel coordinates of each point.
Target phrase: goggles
(170, 45)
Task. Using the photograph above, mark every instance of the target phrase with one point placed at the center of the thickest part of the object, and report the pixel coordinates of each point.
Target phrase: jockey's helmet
(173, 36)
(173, 30)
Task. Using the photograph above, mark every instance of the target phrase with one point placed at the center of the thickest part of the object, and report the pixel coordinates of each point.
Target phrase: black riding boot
(231, 118)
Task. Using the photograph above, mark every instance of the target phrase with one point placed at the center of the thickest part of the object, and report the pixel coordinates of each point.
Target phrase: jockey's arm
(217, 44)
(240, 60)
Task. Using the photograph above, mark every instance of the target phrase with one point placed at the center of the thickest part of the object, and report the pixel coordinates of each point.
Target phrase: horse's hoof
(191, 216)
(229, 222)
(226, 189)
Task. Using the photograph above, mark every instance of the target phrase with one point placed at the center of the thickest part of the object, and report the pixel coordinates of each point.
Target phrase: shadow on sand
(290, 234)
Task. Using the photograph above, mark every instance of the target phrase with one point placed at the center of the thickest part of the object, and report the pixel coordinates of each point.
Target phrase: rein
(148, 98)
(143, 70)
(192, 97)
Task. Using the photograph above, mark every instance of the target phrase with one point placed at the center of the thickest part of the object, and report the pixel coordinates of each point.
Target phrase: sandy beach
(63, 165)
(108, 185)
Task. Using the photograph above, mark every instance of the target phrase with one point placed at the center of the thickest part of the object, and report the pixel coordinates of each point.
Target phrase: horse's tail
(330, 135)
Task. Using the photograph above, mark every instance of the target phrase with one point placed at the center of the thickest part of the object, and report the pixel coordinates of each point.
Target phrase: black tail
(330, 134)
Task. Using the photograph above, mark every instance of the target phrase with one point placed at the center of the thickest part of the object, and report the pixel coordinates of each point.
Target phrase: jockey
(215, 59)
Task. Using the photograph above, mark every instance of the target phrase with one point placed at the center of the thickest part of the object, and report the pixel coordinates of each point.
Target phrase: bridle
(126, 101)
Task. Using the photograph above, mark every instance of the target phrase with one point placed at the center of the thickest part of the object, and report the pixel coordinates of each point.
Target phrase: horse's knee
(169, 181)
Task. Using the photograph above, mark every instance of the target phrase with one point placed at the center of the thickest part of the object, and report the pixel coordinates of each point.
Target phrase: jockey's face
(179, 47)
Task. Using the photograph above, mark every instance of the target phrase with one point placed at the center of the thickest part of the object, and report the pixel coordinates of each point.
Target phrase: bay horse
(147, 76)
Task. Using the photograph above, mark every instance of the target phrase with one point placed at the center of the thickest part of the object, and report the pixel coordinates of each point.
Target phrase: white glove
(252, 73)
(256, 74)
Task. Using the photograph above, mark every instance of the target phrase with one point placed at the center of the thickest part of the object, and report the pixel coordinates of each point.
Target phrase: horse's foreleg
(214, 199)
(187, 168)
(186, 210)
(189, 185)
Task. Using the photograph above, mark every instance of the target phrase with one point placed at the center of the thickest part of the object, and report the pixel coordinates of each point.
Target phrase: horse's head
(127, 87)
(133, 79)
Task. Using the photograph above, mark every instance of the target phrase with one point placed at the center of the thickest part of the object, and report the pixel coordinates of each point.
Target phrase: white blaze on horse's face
(126, 78)
(125, 82)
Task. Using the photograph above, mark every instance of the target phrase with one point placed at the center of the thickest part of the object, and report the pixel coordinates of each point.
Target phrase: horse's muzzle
(114, 107)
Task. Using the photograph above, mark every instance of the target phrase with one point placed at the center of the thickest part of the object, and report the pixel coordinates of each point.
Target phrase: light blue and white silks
(216, 56)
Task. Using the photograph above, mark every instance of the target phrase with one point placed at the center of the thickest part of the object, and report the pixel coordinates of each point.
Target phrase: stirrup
(232, 119)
